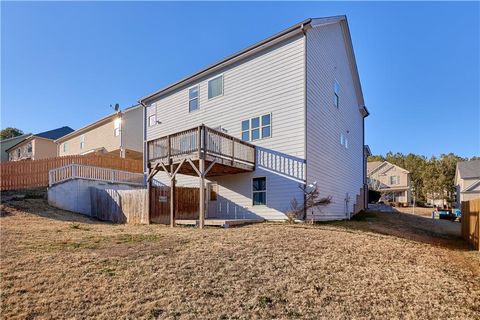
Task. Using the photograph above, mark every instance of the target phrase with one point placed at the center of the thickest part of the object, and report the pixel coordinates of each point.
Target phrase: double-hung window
(116, 127)
(65, 147)
(336, 94)
(394, 180)
(29, 147)
(152, 114)
(82, 141)
(193, 98)
(215, 87)
(259, 191)
(257, 128)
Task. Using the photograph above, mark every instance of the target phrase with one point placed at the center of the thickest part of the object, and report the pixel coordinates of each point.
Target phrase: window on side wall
(394, 180)
(116, 127)
(259, 191)
(336, 94)
(82, 141)
(257, 128)
(65, 147)
(215, 87)
(193, 99)
(152, 114)
(29, 147)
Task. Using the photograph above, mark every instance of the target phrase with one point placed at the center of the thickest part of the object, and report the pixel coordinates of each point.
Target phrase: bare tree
(312, 201)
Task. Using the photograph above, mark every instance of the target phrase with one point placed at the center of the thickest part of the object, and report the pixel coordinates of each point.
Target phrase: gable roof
(23, 137)
(96, 123)
(373, 166)
(50, 135)
(469, 169)
(55, 133)
(296, 29)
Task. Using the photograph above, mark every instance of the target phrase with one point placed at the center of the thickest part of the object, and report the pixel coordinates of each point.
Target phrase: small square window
(255, 134)
(255, 123)
(266, 132)
(245, 125)
(266, 120)
(215, 87)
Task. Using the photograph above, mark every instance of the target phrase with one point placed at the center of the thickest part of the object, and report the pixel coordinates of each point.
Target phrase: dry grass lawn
(56, 264)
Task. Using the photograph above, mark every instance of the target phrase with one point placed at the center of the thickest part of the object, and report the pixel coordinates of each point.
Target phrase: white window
(257, 128)
(193, 99)
(65, 147)
(259, 191)
(29, 147)
(336, 94)
(215, 87)
(82, 141)
(394, 180)
(152, 114)
(116, 127)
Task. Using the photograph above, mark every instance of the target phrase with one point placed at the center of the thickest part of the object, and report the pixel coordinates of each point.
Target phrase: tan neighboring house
(392, 181)
(119, 134)
(467, 181)
(37, 146)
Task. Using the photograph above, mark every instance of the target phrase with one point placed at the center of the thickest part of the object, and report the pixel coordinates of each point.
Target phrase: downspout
(145, 150)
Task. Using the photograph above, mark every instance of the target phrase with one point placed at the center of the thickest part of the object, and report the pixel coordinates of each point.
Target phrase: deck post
(172, 196)
(201, 220)
(149, 189)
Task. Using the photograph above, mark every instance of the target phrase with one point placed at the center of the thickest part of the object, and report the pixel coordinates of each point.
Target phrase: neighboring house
(37, 146)
(118, 134)
(467, 181)
(296, 98)
(392, 181)
(10, 142)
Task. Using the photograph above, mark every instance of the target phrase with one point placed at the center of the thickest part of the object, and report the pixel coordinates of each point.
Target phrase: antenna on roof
(116, 107)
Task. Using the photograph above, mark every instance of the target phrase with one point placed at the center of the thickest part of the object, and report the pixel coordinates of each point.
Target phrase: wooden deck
(202, 152)
(224, 223)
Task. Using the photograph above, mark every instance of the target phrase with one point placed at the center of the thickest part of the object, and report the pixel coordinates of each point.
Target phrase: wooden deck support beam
(172, 196)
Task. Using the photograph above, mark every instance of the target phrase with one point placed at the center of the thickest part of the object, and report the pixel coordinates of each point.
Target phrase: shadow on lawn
(408, 226)
(41, 208)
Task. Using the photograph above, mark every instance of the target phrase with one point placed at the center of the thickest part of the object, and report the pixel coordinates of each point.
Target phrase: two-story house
(37, 146)
(285, 112)
(118, 134)
(392, 181)
(467, 181)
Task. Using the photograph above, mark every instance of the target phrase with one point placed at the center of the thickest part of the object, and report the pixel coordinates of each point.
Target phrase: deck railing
(200, 140)
(77, 171)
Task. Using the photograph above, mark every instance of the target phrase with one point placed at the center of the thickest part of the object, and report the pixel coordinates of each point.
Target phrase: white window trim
(82, 141)
(198, 97)
(153, 105)
(260, 127)
(266, 191)
(65, 146)
(223, 86)
(336, 102)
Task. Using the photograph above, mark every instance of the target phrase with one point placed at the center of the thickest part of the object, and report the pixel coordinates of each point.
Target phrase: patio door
(212, 195)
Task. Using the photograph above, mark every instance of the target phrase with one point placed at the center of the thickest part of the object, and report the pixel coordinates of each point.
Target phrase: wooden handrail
(207, 140)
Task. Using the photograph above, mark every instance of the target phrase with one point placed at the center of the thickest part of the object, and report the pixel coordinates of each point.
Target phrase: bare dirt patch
(56, 264)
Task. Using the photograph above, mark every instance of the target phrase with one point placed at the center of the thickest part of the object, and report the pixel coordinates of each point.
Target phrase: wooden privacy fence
(34, 173)
(119, 206)
(129, 206)
(186, 204)
(471, 222)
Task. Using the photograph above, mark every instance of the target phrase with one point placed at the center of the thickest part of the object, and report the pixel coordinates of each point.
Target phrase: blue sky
(64, 63)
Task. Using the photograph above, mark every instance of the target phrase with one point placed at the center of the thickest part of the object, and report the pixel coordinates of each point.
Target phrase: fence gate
(186, 204)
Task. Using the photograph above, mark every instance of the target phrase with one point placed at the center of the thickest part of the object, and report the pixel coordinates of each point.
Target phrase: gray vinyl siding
(337, 170)
(272, 81)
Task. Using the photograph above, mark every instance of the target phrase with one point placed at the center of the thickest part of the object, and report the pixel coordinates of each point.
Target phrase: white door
(212, 195)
